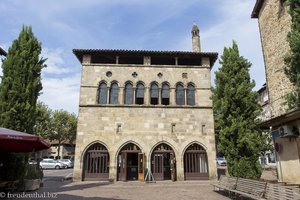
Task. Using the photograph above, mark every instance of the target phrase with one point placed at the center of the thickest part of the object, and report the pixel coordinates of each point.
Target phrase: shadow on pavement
(54, 186)
(74, 197)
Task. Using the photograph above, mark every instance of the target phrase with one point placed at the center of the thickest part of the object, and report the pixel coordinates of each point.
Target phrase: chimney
(196, 38)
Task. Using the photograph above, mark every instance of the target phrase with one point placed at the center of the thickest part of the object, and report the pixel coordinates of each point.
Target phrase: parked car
(67, 162)
(52, 164)
(221, 161)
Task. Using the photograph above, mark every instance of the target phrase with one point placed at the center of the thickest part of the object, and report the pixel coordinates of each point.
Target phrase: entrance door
(163, 163)
(96, 163)
(157, 167)
(128, 163)
(141, 166)
(122, 168)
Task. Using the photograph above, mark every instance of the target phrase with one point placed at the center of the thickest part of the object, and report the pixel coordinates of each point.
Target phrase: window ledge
(145, 106)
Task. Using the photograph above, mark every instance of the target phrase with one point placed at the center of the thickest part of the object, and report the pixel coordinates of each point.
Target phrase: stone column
(146, 96)
(172, 96)
(121, 96)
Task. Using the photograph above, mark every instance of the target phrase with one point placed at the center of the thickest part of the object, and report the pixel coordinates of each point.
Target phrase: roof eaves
(258, 5)
(2, 52)
(78, 52)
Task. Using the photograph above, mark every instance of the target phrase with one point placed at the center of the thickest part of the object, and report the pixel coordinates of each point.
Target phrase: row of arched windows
(110, 95)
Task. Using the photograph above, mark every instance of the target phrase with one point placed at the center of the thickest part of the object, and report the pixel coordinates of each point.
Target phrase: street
(57, 174)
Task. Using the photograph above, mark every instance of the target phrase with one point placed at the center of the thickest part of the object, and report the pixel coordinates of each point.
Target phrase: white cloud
(55, 61)
(62, 93)
(233, 23)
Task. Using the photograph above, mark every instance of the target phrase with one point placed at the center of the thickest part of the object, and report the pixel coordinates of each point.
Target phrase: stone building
(145, 111)
(263, 99)
(274, 24)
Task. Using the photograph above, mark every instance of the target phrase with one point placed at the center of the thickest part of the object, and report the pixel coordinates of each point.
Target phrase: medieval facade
(145, 111)
(274, 24)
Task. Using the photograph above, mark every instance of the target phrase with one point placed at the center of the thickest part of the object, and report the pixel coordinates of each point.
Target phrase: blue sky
(126, 24)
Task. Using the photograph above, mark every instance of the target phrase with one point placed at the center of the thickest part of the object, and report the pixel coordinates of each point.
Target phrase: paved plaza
(165, 190)
(58, 186)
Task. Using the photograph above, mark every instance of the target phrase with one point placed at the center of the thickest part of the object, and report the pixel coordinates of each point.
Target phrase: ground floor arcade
(132, 162)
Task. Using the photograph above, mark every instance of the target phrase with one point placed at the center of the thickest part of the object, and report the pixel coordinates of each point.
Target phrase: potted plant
(32, 178)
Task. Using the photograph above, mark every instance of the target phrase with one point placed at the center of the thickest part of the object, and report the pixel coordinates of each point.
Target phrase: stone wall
(274, 24)
(288, 164)
(145, 125)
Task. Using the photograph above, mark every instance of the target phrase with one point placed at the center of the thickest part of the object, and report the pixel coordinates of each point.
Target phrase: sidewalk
(135, 190)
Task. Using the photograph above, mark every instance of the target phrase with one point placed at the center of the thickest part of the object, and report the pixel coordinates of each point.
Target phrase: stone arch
(128, 162)
(89, 145)
(163, 161)
(195, 162)
(95, 159)
(124, 144)
(171, 143)
(186, 145)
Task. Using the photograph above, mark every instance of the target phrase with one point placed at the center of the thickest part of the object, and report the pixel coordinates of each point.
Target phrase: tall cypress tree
(19, 89)
(21, 82)
(236, 109)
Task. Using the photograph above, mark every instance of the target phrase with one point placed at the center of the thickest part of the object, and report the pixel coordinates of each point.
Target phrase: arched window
(180, 95)
(139, 94)
(190, 94)
(114, 94)
(154, 94)
(165, 94)
(102, 97)
(128, 94)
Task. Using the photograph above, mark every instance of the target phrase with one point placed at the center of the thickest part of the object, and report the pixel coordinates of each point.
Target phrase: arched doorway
(131, 163)
(163, 165)
(96, 163)
(195, 163)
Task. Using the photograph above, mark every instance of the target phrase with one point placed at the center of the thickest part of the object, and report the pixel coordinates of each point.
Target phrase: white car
(67, 162)
(52, 164)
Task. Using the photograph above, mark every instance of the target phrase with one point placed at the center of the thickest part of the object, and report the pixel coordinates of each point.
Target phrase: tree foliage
(292, 59)
(42, 125)
(21, 82)
(236, 114)
(19, 89)
(64, 127)
(58, 125)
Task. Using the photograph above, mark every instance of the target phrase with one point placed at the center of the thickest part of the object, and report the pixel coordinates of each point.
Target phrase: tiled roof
(257, 8)
(80, 52)
(2, 52)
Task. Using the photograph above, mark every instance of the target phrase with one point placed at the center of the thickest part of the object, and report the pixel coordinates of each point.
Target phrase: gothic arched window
(128, 94)
(154, 94)
(102, 96)
(165, 94)
(139, 94)
(114, 94)
(180, 94)
(190, 94)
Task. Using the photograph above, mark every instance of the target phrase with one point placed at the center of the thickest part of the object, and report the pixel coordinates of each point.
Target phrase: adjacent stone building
(274, 24)
(145, 111)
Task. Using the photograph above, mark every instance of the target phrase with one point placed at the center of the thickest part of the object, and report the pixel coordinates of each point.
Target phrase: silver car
(52, 164)
(67, 162)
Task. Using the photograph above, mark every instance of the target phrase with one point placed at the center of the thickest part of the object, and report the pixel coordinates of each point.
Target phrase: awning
(286, 118)
(16, 141)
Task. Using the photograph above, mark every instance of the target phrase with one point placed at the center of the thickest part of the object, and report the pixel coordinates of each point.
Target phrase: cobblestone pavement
(165, 190)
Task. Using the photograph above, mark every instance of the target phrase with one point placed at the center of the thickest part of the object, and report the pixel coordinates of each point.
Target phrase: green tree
(21, 82)
(43, 125)
(64, 127)
(236, 111)
(292, 59)
(19, 89)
